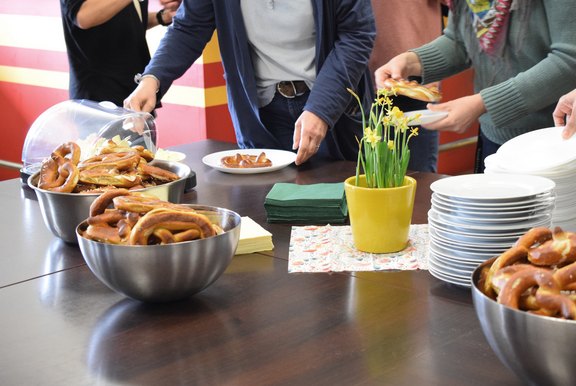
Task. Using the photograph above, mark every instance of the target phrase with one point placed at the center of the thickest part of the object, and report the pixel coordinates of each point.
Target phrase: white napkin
(253, 238)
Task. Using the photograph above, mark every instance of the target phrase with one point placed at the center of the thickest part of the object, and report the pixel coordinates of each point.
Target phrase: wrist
(160, 18)
(146, 78)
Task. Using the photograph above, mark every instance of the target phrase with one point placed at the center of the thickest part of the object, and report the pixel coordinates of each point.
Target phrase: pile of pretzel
(114, 166)
(538, 274)
(246, 161)
(121, 216)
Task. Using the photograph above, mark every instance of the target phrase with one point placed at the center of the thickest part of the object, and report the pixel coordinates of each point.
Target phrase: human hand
(565, 114)
(401, 66)
(309, 131)
(462, 113)
(143, 98)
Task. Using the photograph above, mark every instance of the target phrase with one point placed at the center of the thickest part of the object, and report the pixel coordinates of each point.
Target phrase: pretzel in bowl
(113, 166)
(413, 89)
(246, 161)
(121, 216)
(537, 275)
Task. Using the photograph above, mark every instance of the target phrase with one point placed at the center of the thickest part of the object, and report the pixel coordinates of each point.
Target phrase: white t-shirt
(282, 38)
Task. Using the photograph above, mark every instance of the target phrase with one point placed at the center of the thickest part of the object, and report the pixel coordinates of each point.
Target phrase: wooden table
(256, 325)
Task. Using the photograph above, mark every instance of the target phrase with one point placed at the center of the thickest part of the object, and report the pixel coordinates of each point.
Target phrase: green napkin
(314, 203)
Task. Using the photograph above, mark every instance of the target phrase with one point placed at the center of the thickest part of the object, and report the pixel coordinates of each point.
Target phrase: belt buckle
(280, 86)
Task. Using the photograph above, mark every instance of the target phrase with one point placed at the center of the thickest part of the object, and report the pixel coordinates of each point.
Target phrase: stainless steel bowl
(162, 273)
(62, 212)
(538, 349)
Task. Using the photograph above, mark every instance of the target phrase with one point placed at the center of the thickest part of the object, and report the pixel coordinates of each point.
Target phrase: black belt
(292, 88)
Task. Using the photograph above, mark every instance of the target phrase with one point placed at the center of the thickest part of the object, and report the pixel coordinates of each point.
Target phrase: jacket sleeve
(348, 43)
(192, 28)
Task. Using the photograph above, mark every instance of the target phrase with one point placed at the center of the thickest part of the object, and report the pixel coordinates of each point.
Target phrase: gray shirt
(282, 38)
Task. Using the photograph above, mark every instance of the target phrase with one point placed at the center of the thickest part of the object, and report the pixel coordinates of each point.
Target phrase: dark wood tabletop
(256, 325)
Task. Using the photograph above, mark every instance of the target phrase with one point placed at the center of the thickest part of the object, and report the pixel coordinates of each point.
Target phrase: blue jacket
(345, 36)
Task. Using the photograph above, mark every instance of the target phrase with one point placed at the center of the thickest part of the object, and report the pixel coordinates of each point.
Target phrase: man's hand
(143, 98)
(309, 131)
(564, 114)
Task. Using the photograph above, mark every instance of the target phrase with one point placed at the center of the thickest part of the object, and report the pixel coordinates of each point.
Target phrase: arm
(343, 68)
(544, 83)
(92, 13)
(346, 61)
(183, 43)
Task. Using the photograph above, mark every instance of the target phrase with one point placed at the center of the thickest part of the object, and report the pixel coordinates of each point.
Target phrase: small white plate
(426, 116)
(280, 159)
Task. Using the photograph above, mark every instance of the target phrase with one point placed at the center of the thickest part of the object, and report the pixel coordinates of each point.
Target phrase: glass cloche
(87, 123)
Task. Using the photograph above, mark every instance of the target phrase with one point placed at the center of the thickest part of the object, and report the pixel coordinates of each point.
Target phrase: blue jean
(279, 117)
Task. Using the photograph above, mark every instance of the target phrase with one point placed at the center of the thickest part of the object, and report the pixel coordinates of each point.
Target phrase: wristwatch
(160, 19)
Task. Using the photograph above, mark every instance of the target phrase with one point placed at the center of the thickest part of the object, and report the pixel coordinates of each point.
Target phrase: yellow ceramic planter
(380, 217)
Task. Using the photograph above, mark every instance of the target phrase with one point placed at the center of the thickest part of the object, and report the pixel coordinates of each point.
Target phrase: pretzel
(140, 203)
(138, 219)
(556, 251)
(170, 220)
(115, 166)
(547, 294)
(537, 274)
(68, 148)
(104, 200)
(118, 161)
(58, 175)
(246, 161)
(157, 173)
(413, 89)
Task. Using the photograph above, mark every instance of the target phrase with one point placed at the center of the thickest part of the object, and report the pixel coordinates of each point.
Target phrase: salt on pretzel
(246, 161)
(413, 89)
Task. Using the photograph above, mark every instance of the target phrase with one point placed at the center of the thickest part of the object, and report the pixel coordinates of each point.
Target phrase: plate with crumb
(249, 161)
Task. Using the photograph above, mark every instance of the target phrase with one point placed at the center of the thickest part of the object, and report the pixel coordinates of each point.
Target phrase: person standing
(523, 53)
(410, 24)
(106, 45)
(287, 63)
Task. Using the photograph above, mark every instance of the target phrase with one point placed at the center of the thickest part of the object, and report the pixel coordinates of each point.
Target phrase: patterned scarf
(490, 22)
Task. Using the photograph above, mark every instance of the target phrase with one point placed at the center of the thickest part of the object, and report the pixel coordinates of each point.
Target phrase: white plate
(280, 159)
(542, 149)
(426, 116)
(491, 187)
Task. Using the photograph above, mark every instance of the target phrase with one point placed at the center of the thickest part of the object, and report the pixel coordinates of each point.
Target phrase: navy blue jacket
(345, 36)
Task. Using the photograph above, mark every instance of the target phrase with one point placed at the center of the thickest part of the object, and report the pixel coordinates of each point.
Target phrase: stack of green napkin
(306, 204)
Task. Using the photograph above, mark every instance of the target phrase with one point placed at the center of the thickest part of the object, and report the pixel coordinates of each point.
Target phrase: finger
(570, 128)
(297, 135)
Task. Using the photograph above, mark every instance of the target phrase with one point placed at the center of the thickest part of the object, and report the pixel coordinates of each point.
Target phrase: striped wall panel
(34, 77)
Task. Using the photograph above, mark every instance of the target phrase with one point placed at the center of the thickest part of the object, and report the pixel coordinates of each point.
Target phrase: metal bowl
(162, 273)
(62, 212)
(537, 348)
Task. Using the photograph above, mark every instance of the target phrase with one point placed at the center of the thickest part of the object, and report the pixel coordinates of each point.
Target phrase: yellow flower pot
(380, 217)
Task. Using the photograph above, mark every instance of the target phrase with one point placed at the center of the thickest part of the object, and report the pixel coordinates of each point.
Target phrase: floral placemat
(331, 249)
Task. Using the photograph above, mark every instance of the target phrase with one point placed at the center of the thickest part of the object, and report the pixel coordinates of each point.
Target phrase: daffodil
(383, 150)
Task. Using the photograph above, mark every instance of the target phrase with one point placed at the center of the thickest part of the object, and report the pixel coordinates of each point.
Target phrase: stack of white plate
(543, 153)
(474, 217)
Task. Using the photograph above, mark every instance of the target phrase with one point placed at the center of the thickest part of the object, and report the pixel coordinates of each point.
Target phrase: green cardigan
(522, 84)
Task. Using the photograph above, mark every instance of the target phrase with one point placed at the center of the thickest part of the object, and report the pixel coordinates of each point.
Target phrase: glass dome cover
(87, 123)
